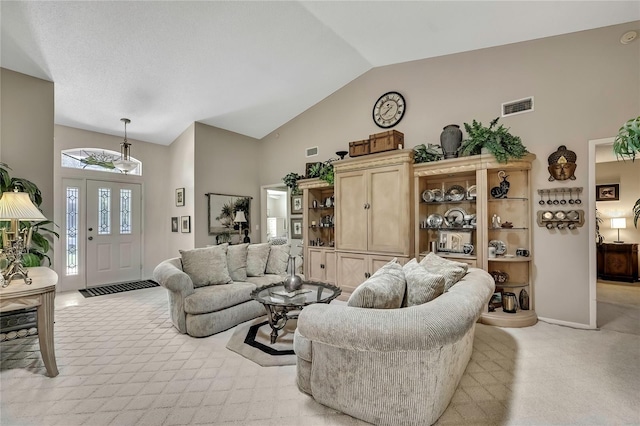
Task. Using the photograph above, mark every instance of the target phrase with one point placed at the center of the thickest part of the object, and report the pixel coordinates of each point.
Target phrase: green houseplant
(498, 140)
(627, 144)
(291, 181)
(40, 245)
(426, 153)
(627, 141)
(323, 171)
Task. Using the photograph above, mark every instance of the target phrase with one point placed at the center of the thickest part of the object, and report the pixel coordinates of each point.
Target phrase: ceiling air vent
(312, 152)
(517, 107)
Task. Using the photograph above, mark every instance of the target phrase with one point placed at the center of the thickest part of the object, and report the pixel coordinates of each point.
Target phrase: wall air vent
(517, 107)
(312, 152)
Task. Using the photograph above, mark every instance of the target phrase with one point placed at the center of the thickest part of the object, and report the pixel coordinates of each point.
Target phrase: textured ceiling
(249, 67)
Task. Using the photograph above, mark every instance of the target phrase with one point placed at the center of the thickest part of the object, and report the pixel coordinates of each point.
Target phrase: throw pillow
(453, 271)
(422, 286)
(383, 290)
(257, 256)
(278, 259)
(206, 266)
(237, 262)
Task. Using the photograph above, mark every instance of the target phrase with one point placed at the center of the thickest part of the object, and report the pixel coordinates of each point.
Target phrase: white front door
(113, 232)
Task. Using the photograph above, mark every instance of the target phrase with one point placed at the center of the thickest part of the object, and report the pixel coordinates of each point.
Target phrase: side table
(40, 294)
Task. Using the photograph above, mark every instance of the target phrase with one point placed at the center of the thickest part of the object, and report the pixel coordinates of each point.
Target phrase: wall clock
(389, 110)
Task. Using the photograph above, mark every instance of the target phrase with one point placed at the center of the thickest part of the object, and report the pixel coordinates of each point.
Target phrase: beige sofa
(201, 310)
(391, 366)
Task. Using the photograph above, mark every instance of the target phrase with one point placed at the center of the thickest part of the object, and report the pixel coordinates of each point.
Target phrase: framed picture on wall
(185, 222)
(179, 197)
(174, 224)
(296, 204)
(228, 213)
(609, 192)
(296, 228)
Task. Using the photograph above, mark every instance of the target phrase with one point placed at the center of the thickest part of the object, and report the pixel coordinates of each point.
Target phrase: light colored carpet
(259, 348)
(618, 306)
(122, 363)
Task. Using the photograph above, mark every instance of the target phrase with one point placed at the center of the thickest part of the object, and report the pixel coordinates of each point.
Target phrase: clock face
(389, 109)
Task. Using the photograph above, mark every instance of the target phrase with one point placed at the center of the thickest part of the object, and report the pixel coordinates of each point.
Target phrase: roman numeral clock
(389, 110)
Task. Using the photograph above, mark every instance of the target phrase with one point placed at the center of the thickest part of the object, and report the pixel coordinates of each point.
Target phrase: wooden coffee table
(282, 306)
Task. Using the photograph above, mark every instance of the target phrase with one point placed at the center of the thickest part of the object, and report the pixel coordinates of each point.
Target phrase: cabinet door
(389, 213)
(330, 267)
(351, 214)
(315, 271)
(351, 269)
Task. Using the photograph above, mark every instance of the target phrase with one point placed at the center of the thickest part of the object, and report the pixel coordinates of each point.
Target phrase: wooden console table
(618, 262)
(40, 294)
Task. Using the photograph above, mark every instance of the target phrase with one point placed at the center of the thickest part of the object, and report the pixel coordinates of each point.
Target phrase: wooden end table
(39, 294)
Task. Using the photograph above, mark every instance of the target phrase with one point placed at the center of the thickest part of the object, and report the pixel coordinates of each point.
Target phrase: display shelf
(438, 203)
(510, 259)
(495, 200)
(500, 318)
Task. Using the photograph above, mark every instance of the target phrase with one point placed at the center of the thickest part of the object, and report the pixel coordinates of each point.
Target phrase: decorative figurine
(501, 190)
(495, 221)
(562, 164)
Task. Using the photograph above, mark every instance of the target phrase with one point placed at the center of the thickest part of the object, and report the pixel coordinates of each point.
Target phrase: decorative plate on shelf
(501, 247)
(434, 220)
(437, 195)
(427, 196)
(573, 215)
(547, 215)
(471, 192)
(454, 218)
(560, 215)
(455, 193)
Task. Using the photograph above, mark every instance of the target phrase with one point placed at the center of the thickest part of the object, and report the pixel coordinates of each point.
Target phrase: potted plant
(425, 153)
(627, 141)
(291, 181)
(40, 245)
(323, 171)
(497, 140)
(627, 144)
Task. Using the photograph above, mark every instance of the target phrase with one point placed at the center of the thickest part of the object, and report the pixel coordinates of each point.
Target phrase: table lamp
(240, 219)
(16, 206)
(618, 223)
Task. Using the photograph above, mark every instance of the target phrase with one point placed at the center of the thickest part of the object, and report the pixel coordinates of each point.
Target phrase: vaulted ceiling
(249, 67)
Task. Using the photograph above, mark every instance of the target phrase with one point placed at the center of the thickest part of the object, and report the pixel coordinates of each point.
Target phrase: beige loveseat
(209, 288)
(393, 366)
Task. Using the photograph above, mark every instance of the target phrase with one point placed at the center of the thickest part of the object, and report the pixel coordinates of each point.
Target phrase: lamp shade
(618, 223)
(18, 205)
(240, 217)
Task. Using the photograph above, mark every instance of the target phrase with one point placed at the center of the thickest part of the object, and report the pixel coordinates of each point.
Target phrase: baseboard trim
(567, 323)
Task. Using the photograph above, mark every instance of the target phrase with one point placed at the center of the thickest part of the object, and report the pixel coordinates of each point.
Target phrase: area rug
(252, 340)
(117, 288)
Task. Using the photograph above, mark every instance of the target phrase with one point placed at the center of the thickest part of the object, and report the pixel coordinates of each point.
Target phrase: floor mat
(117, 288)
(252, 341)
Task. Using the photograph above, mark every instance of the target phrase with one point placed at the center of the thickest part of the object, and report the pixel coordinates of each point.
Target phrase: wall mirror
(453, 241)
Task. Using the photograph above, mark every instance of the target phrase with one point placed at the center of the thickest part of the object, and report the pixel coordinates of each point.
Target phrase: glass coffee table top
(310, 292)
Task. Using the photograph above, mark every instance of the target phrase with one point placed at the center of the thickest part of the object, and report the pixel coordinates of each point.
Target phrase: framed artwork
(296, 228)
(174, 224)
(610, 192)
(296, 204)
(496, 300)
(179, 197)
(223, 211)
(185, 224)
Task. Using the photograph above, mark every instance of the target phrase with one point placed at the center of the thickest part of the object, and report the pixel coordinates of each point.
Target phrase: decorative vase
(292, 282)
(450, 140)
(524, 300)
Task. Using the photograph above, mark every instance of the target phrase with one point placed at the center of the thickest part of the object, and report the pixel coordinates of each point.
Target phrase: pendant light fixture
(125, 164)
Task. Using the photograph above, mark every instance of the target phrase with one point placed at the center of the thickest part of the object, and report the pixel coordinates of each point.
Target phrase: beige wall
(26, 131)
(180, 169)
(585, 86)
(225, 163)
(154, 182)
(627, 174)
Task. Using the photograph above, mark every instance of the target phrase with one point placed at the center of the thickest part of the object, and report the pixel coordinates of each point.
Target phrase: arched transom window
(96, 159)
